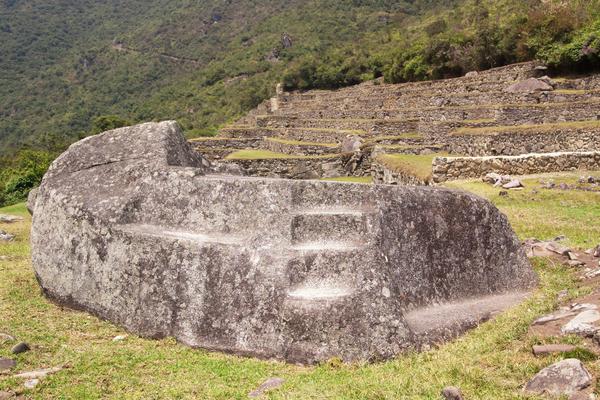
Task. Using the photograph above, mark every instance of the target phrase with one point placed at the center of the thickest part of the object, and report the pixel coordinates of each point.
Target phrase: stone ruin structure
(507, 111)
(135, 227)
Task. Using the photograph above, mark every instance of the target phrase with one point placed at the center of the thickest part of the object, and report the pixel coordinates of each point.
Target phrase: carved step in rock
(313, 225)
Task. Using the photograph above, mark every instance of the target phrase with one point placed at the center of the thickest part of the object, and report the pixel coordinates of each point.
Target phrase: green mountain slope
(64, 63)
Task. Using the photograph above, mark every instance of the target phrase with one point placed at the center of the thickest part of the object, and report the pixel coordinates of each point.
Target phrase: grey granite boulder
(134, 227)
(565, 377)
(529, 86)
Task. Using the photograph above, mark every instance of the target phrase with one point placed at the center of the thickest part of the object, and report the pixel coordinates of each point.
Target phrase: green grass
(354, 179)
(492, 361)
(525, 129)
(569, 91)
(418, 165)
(300, 143)
(255, 154)
(546, 213)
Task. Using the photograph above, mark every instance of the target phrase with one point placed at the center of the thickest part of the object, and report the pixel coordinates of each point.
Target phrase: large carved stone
(132, 226)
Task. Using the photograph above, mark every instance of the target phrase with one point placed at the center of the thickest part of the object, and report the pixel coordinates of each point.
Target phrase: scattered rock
(5, 236)
(560, 238)
(6, 395)
(20, 348)
(471, 74)
(575, 263)
(564, 312)
(7, 364)
(286, 41)
(582, 324)
(515, 183)
(492, 178)
(351, 144)
(572, 256)
(565, 377)
(596, 252)
(543, 350)
(562, 295)
(558, 248)
(38, 374)
(119, 338)
(452, 393)
(8, 219)
(593, 274)
(31, 383)
(503, 193)
(269, 384)
(529, 86)
(6, 338)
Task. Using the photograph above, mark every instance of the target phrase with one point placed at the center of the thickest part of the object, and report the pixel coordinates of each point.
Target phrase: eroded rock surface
(131, 226)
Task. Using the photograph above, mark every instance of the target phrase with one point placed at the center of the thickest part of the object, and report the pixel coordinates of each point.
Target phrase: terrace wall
(452, 168)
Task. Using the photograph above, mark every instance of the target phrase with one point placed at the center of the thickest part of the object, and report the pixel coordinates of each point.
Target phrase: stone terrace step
(437, 99)
(370, 126)
(321, 226)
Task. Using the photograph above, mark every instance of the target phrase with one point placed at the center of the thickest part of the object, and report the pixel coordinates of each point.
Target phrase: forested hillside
(71, 68)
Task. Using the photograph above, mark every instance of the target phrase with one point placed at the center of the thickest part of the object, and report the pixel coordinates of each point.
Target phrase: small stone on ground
(31, 383)
(5, 236)
(452, 393)
(582, 324)
(8, 219)
(6, 337)
(7, 364)
(565, 377)
(37, 374)
(542, 350)
(20, 348)
(269, 384)
(5, 395)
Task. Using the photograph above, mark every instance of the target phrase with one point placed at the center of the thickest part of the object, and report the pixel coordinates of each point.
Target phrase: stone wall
(299, 148)
(452, 168)
(548, 113)
(525, 142)
(216, 148)
(350, 164)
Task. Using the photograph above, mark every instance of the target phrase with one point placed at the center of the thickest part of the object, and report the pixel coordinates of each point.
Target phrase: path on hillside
(122, 48)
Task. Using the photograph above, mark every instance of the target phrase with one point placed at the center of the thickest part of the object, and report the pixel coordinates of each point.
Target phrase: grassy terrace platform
(256, 154)
(525, 129)
(412, 164)
(491, 362)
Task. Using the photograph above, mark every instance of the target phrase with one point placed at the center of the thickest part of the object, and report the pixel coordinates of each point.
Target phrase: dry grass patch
(418, 165)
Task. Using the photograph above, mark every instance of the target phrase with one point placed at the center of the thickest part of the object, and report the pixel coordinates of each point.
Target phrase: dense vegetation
(71, 68)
